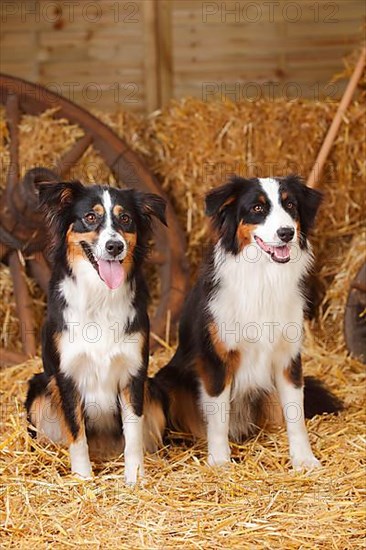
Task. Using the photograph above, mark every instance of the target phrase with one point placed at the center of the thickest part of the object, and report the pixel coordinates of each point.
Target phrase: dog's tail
(155, 415)
(318, 399)
(171, 402)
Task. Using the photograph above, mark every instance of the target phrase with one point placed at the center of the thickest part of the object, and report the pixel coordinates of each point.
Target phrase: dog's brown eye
(91, 217)
(257, 208)
(290, 205)
(124, 218)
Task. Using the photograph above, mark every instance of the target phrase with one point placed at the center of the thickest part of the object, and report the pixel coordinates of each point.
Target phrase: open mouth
(111, 272)
(279, 254)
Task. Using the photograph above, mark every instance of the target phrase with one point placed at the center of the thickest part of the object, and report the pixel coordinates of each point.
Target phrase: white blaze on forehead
(108, 232)
(272, 189)
(277, 217)
(107, 203)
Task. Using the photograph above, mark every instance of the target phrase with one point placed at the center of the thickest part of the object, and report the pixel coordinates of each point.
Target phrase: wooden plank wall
(138, 54)
(249, 49)
(91, 52)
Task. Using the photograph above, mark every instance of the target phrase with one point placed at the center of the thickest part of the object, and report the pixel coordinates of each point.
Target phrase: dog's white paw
(134, 471)
(307, 462)
(84, 476)
(219, 456)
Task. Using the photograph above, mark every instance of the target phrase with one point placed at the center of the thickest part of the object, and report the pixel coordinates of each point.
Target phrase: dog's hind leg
(68, 403)
(43, 418)
(54, 409)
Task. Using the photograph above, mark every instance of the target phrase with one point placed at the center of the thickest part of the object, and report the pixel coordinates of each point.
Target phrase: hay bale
(191, 146)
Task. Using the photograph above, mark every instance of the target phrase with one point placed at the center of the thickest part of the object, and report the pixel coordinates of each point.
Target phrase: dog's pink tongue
(112, 273)
(281, 252)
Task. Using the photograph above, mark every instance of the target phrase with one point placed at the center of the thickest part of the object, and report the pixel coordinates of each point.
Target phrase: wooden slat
(24, 305)
(151, 75)
(164, 46)
(156, 44)
(8, 358)
(71, 157)
(13, 118)
(40, 270)
(239, 12)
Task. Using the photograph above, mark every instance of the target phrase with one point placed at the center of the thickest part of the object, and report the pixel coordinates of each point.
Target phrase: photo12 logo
(270, 12)
(63, 13)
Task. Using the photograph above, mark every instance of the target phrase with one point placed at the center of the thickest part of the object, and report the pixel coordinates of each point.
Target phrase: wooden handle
(317, 169)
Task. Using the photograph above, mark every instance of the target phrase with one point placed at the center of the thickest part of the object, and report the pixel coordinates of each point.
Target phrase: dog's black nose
(114, 247)
(286, 233)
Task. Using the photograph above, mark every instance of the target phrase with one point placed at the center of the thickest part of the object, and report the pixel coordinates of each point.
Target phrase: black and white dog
(241, 329)
(96, 336)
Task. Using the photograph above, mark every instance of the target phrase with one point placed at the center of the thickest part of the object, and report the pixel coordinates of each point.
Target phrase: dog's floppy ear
(152, 205)
(310, 206)
(58, 195)
(309, 201)
(55, 199)
(217, 199)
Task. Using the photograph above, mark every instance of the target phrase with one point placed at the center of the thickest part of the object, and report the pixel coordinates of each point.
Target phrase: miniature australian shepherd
(238, 363)
(96, 336)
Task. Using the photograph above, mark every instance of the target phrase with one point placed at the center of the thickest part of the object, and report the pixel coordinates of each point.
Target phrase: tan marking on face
(117, 210)
(75, 251)
(99, 209)
(284, 195)
(262, 199)
(244, 234)
(230, 358)
(298, 229)
(131, 240)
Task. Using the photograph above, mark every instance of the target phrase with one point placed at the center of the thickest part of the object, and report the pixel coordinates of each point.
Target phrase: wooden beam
(23, 305)
(163, 10)
(151, 73)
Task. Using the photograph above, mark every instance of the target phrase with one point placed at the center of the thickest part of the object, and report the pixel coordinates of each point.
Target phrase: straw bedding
(256, 501)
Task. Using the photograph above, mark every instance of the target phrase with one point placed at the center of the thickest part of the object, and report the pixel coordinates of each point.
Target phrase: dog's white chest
(95, 349)
(258, 309)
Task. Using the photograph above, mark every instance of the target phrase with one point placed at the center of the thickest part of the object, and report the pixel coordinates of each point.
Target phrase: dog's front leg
(216, 411)
(132, 399)
(289, 383)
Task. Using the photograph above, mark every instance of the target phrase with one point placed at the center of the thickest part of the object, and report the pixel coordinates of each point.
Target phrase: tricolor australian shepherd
(96, 336)
(241, 328)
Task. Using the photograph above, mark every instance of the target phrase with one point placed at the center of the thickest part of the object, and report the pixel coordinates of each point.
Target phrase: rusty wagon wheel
(21, 226)
(355, 316)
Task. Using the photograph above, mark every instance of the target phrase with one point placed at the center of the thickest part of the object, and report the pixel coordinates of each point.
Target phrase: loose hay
(257, 502)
